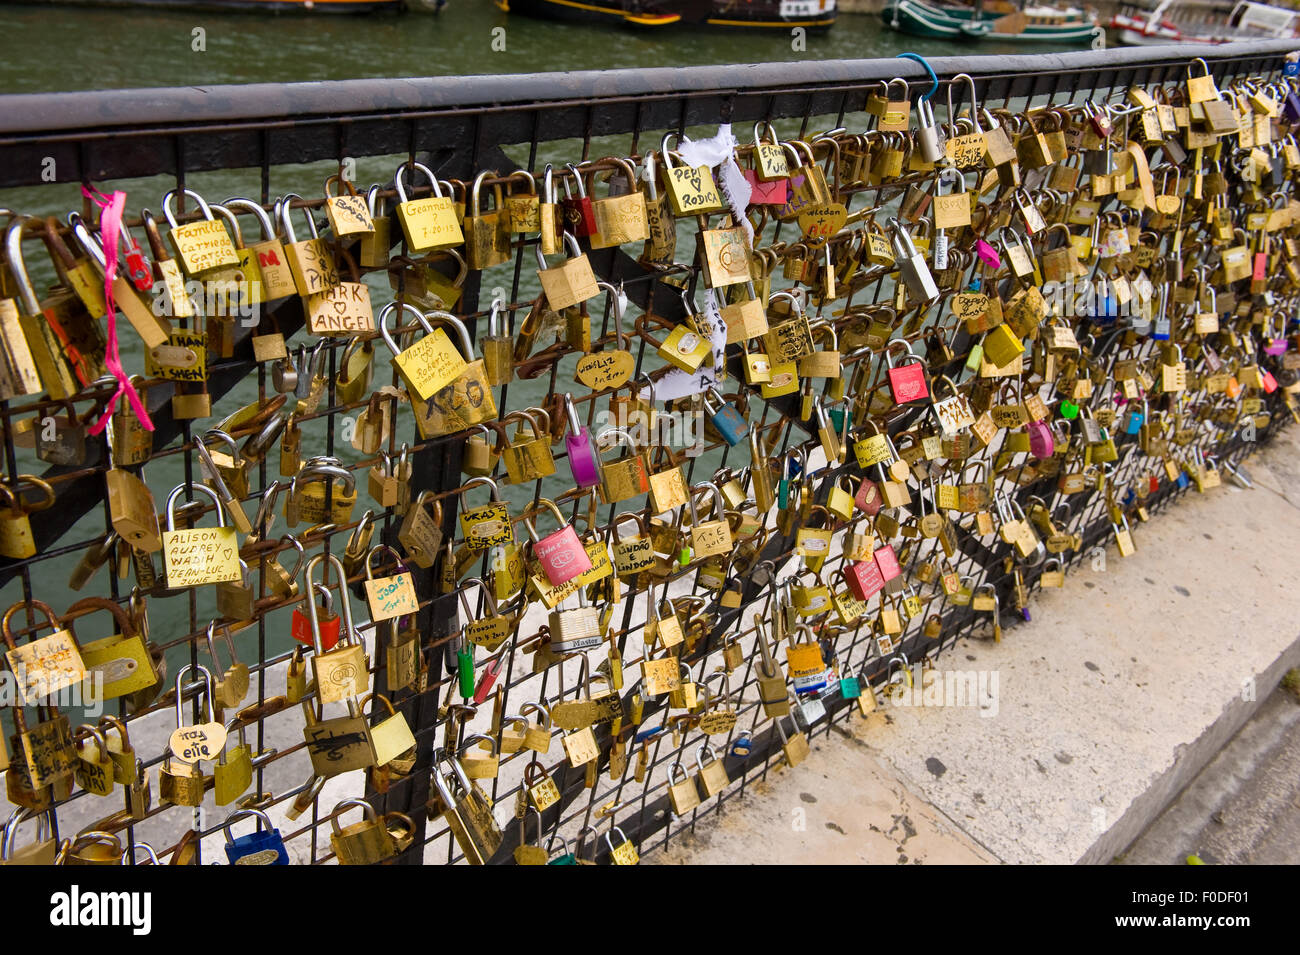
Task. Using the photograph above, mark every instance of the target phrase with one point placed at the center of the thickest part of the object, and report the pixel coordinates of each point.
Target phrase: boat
(1187, 21)
(995, 21)
(813, 15)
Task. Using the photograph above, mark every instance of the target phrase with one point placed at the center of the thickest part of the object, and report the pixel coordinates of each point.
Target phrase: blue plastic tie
(928, 68)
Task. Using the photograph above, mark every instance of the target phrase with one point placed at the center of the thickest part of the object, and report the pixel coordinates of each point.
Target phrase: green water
(66, 47)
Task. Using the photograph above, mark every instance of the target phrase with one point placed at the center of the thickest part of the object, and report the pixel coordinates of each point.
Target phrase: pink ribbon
(110, 226)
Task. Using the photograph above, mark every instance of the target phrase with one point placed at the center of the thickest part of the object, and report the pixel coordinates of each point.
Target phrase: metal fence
(270, 140)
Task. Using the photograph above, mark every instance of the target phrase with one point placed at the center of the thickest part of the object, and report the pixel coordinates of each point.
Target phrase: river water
(68, 47)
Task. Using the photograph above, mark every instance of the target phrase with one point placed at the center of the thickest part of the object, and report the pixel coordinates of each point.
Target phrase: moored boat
(1197, 21)
(813, 15)
(1032, 23)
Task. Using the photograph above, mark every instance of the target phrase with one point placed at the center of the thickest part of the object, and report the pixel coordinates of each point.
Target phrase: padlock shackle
(332, 563)
(169, 199)
(246, 813)
(203, 489)
(400, 186)
(248, 205)
(284, 211)
(384, 332)
(208, 691)
(380, 550)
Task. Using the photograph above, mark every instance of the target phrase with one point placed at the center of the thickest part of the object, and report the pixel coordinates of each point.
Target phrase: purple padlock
(582, 454)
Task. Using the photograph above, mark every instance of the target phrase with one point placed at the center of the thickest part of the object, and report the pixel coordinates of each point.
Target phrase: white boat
(1187, 21)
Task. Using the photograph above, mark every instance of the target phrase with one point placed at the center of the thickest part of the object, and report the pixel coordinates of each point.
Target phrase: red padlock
(907, 380)
(863, 578)
(485, 682)
(137, 266)
(579, 213)
(868, 498)
(773, 193)
(561, 554)
(1269, 382)
(300, 624)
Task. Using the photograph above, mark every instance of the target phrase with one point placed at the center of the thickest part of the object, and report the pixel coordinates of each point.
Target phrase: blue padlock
(1109, 310)
(741, 746)
(1183, 481)
(1133, 419)
(730, 423)
(257, 848)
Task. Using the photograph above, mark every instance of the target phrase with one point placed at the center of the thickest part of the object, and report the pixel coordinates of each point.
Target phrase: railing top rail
(36, 114)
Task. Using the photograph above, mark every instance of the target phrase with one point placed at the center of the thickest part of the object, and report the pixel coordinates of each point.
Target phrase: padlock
(620, 217)
(466, 811)
(16, 538)
(429, 223)
(626, 477)
(561, 553)
(203, 246)
(311, 263)
(570, 283)
(369, 841)
(713, 536)
(906, 380)
(344, 670)
(691, 190)
(728, 422)
(912, 267)
(265, 846)
(323, 492)
(199, 555)
(41, 851)
(712, 776)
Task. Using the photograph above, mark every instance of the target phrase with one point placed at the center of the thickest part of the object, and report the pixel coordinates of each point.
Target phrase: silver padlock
(911, 264)
(929, 137)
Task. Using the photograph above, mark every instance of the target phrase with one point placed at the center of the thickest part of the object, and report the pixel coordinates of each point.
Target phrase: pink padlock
(583, 460)
(906, 381)
(1041, 441)
(887, 561)
(561, 554)
(988, 255)
(863, 578)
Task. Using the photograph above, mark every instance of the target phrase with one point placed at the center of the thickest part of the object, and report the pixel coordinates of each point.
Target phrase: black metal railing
(263, 140)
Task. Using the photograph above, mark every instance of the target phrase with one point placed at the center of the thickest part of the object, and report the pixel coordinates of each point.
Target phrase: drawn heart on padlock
(605, 370)
(821, 221)
(201, 741)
